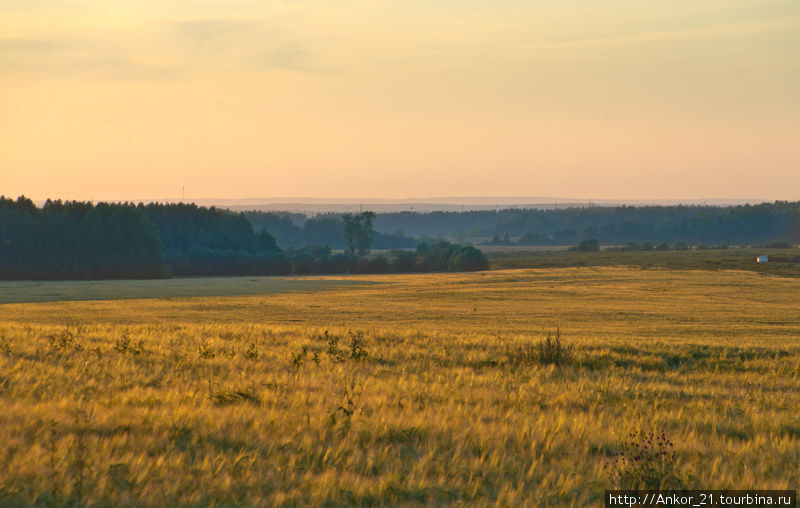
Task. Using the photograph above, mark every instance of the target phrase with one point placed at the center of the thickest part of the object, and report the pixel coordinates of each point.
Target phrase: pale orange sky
(394, 99)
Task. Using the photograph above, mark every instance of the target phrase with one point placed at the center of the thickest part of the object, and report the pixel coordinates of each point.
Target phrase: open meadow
(421, 389)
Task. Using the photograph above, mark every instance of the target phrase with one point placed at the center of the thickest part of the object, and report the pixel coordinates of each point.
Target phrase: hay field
(402, 392)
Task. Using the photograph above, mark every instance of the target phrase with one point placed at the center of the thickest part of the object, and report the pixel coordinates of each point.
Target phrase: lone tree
(358, 231)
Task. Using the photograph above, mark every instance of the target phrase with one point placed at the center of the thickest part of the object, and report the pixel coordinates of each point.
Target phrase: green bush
(467, 259)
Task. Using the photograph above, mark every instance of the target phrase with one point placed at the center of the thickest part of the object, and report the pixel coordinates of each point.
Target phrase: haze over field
(582, 99)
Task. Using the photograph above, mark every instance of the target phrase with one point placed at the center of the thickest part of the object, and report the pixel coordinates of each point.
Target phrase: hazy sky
(369, 98)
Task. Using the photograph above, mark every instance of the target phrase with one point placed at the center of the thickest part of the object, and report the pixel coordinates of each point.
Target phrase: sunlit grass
(400, 392)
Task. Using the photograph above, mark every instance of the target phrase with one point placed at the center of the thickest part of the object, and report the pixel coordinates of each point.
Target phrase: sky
(589, 99)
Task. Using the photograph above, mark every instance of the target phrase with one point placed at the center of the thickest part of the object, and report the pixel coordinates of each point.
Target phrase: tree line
(737, 225)
(81, 240)
(297, 230)
(610, 225)
(76, 240)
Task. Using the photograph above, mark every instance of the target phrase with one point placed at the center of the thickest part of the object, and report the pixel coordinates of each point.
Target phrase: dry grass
(408, 398)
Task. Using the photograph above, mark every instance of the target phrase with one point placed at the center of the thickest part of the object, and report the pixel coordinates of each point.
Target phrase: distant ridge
(312, 205)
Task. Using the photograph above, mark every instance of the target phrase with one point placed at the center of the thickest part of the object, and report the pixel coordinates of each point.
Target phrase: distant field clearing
(50, 291)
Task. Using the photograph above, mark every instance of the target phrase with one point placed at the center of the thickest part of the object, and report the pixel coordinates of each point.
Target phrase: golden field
(399, 392)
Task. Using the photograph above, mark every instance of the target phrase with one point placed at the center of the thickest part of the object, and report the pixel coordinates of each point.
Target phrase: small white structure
(762, 259)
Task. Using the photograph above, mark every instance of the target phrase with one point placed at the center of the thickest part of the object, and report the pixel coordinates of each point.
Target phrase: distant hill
(312, 206)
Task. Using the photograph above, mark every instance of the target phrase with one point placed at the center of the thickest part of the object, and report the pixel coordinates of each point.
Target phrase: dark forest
(79, 240)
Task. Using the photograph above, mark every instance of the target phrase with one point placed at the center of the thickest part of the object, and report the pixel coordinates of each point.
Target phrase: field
(722, 259)
(50, 291)
(411, 390)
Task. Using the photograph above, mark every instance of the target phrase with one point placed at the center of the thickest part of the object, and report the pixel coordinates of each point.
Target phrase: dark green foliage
(402, 260)
(185, 226)
(357, 351)
(778, 244)
(77, 240)
(210, 241)
(496, 240)
(299, 358)
(532, 238)
(467, 259)
(590, 245)
(445, 256)
(396, 240)
(295, 230)
(325, 229)
(333, 347)
(440, 257)
(204, 261)
(612, 225)
(376, 264)
(434, 257)
(358, 231)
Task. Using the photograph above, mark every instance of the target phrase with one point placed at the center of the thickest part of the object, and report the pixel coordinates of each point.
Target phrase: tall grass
(403, 394)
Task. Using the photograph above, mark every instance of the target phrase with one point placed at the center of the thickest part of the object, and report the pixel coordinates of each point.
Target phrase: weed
(647, 462)
(126, 345)
(333, 347)
(357, 351)
(553, 350)
(297, 358)
(251, 353)
(65, 340)
(205, 351)
(348, 405)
